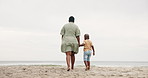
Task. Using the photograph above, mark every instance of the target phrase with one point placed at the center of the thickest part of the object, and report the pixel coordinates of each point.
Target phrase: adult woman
(70, 41)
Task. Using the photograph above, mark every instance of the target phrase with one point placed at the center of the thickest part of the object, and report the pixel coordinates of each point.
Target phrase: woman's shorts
(87, 55)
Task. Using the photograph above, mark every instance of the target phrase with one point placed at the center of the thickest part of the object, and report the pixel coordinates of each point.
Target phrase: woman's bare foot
(72, 68)
(68, 69)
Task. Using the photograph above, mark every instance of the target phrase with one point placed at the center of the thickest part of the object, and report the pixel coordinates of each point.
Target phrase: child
(87, 50)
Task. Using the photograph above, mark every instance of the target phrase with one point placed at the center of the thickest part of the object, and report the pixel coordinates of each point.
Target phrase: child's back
(87, 45)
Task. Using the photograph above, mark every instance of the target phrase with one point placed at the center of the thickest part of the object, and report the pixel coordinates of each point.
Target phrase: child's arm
(81, 44)
(93, 50)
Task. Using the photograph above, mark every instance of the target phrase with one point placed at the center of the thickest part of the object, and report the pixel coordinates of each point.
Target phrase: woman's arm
(78, 39)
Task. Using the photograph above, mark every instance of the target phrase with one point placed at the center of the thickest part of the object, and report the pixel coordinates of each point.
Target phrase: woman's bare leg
(68, 55)
(72, 60)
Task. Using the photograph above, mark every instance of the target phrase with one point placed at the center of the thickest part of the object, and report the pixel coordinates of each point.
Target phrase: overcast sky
(30, 29)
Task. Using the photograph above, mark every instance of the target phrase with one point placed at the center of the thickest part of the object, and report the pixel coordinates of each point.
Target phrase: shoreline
(77, 63)
(59, 71)
(1, 65)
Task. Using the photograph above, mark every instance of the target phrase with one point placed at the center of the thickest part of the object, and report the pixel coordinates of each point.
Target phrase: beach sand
(53, 71)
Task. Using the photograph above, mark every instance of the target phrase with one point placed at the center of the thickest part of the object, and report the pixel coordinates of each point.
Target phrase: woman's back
(69, 32)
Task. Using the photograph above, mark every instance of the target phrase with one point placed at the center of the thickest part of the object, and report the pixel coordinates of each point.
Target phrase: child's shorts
(87, 55)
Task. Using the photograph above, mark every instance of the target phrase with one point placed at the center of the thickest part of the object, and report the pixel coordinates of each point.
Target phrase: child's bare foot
(86, 68)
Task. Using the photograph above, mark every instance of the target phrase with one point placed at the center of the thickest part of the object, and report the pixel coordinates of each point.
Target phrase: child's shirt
(87, 45)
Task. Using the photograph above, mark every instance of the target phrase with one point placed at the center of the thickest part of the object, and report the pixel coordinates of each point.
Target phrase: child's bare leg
(85, 62)
(88, 62)
(68, 55)
(72, 60)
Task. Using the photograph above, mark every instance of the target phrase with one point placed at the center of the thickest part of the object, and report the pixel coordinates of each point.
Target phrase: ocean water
(79, 63)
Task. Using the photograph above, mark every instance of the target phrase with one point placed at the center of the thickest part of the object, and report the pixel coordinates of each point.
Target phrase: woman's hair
(71, 19)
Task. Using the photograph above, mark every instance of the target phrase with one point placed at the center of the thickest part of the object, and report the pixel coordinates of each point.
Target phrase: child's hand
(93, 53)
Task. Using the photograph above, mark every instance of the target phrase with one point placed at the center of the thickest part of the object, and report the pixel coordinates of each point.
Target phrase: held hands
(81, 45)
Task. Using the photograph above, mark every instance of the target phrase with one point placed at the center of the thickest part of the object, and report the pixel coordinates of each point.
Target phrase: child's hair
(86, 36)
